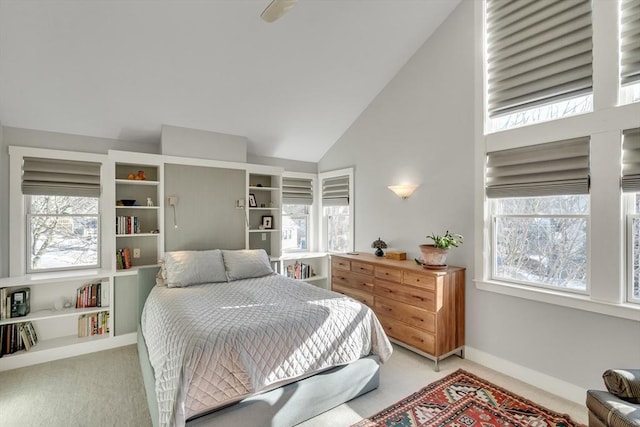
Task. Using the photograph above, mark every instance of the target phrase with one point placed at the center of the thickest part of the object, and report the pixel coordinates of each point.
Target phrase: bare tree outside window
(295, 227)
(63, 232)
(338, 228)
(541, 241)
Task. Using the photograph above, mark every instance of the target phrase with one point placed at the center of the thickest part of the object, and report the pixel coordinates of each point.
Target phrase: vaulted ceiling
(121, 69)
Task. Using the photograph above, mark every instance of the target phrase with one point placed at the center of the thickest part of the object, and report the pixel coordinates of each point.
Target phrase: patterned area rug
(462, 399)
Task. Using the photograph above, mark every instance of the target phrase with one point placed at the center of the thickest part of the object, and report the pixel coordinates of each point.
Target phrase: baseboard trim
(537, 379)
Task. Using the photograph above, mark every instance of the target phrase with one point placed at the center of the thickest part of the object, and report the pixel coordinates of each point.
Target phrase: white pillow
(246, 263)
(184, 268)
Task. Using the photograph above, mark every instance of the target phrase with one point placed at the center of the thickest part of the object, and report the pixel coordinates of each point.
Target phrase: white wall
(421, 129)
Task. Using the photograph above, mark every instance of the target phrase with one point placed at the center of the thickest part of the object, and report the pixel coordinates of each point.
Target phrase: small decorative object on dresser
(379, 245)
(435, 255)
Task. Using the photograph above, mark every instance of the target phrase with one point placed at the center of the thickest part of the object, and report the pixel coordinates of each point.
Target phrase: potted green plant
(436, 254)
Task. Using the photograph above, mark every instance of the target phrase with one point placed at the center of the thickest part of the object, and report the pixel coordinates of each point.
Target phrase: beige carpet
(105, 389)
(99, 389)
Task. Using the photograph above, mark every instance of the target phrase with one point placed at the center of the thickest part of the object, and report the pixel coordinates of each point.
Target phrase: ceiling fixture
(276, 9)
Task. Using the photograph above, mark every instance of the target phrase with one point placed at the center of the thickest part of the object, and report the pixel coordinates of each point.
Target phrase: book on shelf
(93, 324)
(123, 259)
(299, 271)
(127, 225)
(93, 295)
(16, 337)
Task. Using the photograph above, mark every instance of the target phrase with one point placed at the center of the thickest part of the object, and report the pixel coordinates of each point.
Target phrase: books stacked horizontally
(14, 302)
(93, 295)
(123, 258)
(127, 225)
(93, 324)
(299, 271)
(17, 336)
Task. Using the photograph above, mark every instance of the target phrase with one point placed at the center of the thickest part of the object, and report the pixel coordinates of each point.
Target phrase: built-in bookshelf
(311, 267)
(263, 204)
(138, 213)
(57, 304)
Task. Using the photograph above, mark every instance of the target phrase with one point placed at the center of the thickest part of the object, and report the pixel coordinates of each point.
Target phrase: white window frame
(629, 208)
(323, 224)
(604, 126)
(17, 206)
(313, 212)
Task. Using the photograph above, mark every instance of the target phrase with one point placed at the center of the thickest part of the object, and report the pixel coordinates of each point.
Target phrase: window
(297, 203)
(63, 232)
(541, 241)
(62, 213)
(539, 61)
(631, 185)
(337, 210)
(540, 212)
(295, 227)
(629, 42)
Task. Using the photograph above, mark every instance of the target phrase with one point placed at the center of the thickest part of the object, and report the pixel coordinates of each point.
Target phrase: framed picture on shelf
(252, 201)
(267, 222)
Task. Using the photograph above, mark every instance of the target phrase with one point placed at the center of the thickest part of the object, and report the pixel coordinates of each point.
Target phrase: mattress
(214, 344)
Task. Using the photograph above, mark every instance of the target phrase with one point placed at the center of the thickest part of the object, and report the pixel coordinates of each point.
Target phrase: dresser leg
(436, 368)
(462, 353)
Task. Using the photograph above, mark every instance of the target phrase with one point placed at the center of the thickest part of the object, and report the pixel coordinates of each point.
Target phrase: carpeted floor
(106, 389)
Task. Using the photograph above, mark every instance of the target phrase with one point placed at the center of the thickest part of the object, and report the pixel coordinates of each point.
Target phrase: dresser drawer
(340, 263)
(366, 299)
(420, 280)
(388, 274)
(362, 267)
(407, 294)
(414, 316)
(414, 337)
(356, 281)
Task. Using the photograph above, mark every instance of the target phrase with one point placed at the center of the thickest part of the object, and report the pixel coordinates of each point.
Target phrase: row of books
(127, 225)
(93, 295)
(17, 336)
(123, 258)
(93, 324)
(14, 302)
(299, 271)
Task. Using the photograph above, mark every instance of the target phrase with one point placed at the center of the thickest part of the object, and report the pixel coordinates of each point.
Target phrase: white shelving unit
(57, 329)
(148, 241)
(264, 185)
(319, 262)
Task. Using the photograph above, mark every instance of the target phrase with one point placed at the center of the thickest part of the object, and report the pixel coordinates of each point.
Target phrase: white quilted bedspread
(214, 344)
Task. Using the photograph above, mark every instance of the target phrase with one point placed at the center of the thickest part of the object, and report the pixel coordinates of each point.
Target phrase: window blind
(629, 41)
(60, 177)
(630, 181)
(297, 191)
(538, 51)
(556, 168)
(335, 191)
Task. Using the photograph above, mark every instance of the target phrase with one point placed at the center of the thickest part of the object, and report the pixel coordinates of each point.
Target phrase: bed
(225, 341)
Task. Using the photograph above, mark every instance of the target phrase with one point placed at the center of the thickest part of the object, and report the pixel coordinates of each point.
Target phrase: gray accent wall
(206, 214)
(420, 129)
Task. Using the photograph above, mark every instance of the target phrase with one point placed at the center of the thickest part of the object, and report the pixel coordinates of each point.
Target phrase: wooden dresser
(420, 309)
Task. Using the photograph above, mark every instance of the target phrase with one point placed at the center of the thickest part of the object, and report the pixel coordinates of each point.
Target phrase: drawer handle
(417, 318)
(417, 338)
(418, 298)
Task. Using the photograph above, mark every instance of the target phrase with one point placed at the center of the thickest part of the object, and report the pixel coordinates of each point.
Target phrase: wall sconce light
(403, 191)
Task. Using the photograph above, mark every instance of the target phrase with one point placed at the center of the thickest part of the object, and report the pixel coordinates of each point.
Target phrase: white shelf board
(302, 255)
(138, 207)
(55, 277)
(264, 209)
(268, 230)
(253, 187)
(137, 182)
(138, 235)
(52, 314)
(315, 278)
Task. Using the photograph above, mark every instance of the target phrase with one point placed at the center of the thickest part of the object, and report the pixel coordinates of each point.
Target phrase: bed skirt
(285, 406)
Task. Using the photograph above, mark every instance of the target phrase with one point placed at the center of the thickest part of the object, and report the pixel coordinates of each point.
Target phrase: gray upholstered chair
(620, 405)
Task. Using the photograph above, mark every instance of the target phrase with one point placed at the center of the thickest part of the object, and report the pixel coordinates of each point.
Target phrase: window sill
(579, 302)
